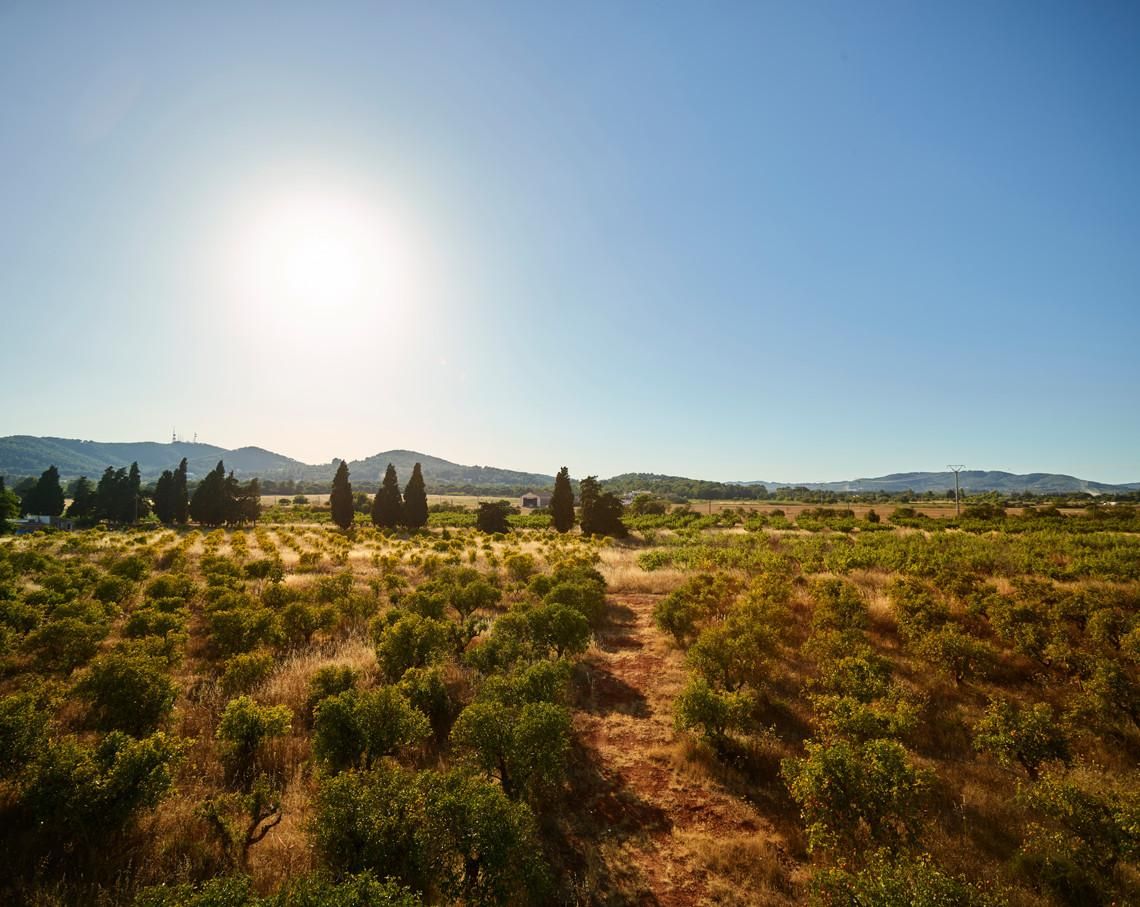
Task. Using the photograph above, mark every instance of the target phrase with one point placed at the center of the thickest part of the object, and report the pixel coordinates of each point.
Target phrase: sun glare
(310, 252)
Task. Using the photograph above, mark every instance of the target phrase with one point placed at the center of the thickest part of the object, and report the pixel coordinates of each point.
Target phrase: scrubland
(728, 709)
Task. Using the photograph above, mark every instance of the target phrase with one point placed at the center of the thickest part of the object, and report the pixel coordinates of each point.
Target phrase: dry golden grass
(289, 683)
(743, 870)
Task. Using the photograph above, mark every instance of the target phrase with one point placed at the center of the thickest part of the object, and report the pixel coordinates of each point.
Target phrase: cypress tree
(415, 500)
(180, 495)
(208, 503)
(164, 497)
(589, 492)
(387, 508)
(250, 504)
(341, 498)
(134, 491)
(562, 502)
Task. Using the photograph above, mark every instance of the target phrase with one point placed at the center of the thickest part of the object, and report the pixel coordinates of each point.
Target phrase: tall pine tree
(415, 500)
(164, 497)
(208, 503)
(562, 502)
(83, 502)
(341, 498)
(135, 502)
(180, 494)
(387, 508)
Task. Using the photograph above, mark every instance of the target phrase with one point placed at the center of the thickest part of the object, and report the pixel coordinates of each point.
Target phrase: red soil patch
(627, 724)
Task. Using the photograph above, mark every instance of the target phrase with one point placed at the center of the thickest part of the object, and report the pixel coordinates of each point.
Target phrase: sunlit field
(733, 714)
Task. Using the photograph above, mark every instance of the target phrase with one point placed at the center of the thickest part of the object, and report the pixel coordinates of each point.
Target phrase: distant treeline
(295, 486)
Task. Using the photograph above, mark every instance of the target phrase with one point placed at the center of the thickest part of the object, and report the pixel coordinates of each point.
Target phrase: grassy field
(972, 696)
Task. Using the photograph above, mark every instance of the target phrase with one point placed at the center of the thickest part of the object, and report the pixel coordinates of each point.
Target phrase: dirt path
(663, 815)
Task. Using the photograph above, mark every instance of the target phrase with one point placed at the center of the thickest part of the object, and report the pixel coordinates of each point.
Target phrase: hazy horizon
(734, 242)
(602, 473)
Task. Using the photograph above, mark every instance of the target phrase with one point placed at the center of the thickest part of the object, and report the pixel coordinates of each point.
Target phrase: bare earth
(657, 813)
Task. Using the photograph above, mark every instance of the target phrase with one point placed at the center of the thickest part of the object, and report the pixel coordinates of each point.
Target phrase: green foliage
(340, 501)
(354, 729)
(23, 729)
(301, 620)
(700, 598)
(411, 641)
(839, 606)
(601, 511)
(449, 832)
(917, 610)
(711, 712)
(582, 589)
(220, 499)
(244, 729)
(362, 890)
(523, 746)
(388, 506)
(242, 627)
(243, 672)
(851, 793)
(891, 880)
(127, 691)
(560, 628)
(66, 643)
(1029, 736)
(1091, 821)
(415, 500)
(957, 654)
(562, 502)
(492, 517)
(329, 681)
(76, 795)
(46, 497)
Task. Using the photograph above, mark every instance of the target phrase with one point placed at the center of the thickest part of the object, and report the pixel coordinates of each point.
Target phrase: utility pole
(956, 469)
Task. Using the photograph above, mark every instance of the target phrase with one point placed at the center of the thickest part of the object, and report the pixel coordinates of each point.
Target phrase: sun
(309, 251)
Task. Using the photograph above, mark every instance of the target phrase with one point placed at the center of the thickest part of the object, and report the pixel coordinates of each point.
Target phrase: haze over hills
(24, 455)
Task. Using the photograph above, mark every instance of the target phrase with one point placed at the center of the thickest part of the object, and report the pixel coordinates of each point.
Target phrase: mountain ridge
(24, 455)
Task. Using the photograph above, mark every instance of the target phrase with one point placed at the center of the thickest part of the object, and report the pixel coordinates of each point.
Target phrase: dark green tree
(46, 498)
(562, 502)
(415, 500)
(601, 511)
(135, 502)
(9, 506)
(387, 507)
(180, 496)
(208, 503)
(249, 508)
(492, 516)
(83, 502)
(341, 498)
(164, 497)
(113, 497)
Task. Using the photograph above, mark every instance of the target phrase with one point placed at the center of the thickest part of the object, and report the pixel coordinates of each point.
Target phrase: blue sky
(735, 241)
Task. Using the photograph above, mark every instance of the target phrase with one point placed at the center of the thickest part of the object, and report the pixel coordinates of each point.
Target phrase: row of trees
(120, 498)
(390, 508)
(221, 498)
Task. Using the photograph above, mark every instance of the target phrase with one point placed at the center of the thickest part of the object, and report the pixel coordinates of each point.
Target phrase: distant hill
(970, 481)
(25, 455)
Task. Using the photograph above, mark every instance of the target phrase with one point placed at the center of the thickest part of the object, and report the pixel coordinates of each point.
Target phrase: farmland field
(736, 714)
